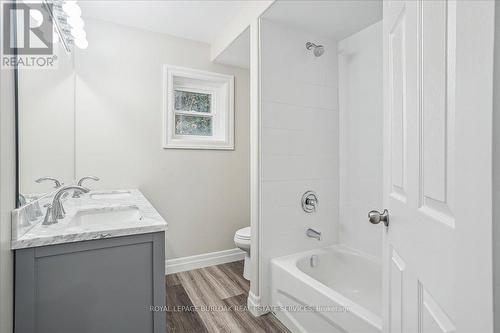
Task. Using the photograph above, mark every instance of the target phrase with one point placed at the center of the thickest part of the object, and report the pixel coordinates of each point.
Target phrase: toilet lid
(243, 233)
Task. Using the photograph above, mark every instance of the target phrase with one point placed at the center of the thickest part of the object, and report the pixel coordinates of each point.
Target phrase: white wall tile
(304, 132)
(283, 116)
(281, 142)
(299, 142)
(360, 97)
(318, 96)
(291, 167)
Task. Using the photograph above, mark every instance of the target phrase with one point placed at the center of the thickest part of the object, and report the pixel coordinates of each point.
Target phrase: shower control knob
(375, 217)
(310, 201)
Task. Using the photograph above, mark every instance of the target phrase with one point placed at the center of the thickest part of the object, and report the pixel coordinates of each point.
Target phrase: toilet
(242, 240)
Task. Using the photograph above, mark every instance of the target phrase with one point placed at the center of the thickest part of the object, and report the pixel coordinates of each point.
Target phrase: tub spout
(313, 234)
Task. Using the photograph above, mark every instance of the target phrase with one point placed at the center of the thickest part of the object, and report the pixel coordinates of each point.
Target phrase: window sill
(199, 144)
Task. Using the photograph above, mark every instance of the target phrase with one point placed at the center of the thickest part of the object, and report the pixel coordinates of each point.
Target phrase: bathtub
(332, 289)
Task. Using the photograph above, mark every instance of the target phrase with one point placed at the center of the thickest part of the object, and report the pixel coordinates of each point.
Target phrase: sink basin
(115, 216)
(110, 195)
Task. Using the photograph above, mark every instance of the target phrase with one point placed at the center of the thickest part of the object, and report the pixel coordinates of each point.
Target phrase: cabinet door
(95, 286)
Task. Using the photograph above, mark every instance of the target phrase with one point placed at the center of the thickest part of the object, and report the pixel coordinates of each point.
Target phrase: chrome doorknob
(375, 217)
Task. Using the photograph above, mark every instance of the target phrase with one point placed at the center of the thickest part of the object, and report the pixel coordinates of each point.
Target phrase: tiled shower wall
(361, 130)
(299, 147)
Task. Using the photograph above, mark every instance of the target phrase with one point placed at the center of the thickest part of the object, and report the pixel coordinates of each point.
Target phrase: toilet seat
(243, 234)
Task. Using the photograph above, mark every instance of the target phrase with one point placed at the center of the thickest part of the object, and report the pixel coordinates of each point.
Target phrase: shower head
(318, 50)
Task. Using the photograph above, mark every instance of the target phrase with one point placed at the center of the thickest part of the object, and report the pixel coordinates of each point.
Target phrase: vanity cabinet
(97, 286)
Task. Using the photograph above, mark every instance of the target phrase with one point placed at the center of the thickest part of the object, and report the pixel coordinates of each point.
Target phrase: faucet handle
(76, 194)
(57, 183)
(50, 216)
(310, 202)
(81, 180)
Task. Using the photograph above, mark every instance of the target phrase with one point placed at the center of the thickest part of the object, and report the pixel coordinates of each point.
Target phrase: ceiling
(197, 20)
(335, 19)
(238, 53)
(203, 20)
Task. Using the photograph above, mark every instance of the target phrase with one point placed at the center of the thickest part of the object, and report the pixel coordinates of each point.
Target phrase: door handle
(375, 217)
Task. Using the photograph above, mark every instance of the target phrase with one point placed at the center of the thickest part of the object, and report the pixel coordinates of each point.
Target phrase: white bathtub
(346, 284)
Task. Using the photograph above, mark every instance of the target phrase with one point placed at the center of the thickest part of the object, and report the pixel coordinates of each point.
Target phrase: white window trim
(222, 101)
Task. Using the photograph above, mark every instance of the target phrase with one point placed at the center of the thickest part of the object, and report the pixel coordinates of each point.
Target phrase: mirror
(46, 126)
(101, 109)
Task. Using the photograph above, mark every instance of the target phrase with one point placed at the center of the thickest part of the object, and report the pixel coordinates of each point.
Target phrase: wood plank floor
(213, 299)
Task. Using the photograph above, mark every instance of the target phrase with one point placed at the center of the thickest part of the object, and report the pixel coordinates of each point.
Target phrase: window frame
(221, 89)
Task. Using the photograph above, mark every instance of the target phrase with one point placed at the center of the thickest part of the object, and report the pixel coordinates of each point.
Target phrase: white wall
(299, 143)
(361, 129)
(203, 194)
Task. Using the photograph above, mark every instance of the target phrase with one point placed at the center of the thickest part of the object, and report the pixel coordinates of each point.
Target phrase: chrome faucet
(76, 194)
(55, 210)
(57, 183)
(313, 234)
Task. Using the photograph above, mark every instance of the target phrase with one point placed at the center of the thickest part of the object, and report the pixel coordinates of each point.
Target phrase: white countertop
(65, 231)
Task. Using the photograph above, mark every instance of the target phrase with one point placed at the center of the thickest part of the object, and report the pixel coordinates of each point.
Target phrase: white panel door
(438, 64)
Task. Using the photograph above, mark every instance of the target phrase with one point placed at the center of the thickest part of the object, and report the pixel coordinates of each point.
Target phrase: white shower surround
(299, 144)
(360, 138)
(310, 140)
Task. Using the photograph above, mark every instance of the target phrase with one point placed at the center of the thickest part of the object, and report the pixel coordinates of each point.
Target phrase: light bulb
(76, 22)
(78, 33)
(81, 43)
(72, 9)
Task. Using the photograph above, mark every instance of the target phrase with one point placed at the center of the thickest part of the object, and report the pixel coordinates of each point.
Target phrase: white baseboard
(253, 304)
(203, 260)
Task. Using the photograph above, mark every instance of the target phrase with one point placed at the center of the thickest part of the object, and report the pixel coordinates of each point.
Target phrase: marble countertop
(66, 230)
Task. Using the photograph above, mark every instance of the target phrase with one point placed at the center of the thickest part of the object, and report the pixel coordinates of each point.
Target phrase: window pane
(192, 125)
(190, 101)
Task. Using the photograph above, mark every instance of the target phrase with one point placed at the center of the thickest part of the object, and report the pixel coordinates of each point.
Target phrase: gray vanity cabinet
(97, 286)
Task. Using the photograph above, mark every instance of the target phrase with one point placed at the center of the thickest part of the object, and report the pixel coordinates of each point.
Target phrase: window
(193, 112)
(198, 108)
